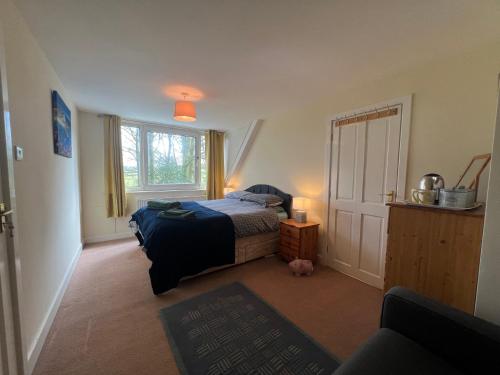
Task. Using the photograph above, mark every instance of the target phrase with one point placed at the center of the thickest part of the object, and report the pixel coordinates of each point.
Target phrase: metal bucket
(457, 198)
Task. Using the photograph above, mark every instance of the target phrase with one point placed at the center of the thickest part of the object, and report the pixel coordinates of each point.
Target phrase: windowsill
(176, 191)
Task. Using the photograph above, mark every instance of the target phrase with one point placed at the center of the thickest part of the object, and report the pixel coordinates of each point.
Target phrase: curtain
(115, 181)
(215, 164)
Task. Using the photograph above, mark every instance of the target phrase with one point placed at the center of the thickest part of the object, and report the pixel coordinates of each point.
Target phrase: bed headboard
(268, 189)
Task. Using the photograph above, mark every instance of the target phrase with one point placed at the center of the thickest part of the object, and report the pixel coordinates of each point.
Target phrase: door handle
(390, 196)
(3, 219)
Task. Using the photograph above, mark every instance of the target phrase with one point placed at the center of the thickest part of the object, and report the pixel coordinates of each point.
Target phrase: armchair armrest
(466, 342)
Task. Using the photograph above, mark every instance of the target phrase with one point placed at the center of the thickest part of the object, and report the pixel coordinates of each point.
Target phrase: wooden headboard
(268, 189)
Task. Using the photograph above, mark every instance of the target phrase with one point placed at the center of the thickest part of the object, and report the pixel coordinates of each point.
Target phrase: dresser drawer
(290, 242)
(288, 253)
(290, 231)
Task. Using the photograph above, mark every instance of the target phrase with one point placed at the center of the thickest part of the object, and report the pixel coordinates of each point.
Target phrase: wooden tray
(476, 205)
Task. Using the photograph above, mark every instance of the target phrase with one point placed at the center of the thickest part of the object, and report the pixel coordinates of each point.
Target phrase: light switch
(19, 153)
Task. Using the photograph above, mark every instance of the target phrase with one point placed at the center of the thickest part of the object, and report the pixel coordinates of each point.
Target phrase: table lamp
(299, 205)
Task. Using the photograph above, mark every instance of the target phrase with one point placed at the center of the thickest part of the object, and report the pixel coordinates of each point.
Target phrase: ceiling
(243, 59)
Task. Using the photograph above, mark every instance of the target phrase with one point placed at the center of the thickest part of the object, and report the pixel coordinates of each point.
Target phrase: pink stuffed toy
(301, 267)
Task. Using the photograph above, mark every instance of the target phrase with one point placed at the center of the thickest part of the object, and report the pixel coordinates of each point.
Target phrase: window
(131, 155)
(158, 157)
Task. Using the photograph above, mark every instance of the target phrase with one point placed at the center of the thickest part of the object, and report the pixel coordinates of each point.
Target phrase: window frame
(144, 128)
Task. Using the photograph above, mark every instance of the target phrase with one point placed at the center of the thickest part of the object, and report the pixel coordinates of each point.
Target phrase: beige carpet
(108, 320)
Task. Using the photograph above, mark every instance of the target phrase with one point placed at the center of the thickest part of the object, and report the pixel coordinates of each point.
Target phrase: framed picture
(61, 126)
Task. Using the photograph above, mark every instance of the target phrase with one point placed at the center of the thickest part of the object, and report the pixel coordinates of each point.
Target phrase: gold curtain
(115, 181)
(215, 164)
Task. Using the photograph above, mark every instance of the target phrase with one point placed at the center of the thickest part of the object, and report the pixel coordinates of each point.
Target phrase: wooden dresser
(435, 252)
(298, 240)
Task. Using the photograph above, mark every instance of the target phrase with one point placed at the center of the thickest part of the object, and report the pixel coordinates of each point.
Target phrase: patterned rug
(230, 330)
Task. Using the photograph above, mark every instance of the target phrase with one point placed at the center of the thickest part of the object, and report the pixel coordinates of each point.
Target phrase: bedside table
(298, 240)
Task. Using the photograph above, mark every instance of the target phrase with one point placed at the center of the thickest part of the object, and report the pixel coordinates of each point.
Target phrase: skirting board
(35, 347)
(108, 237)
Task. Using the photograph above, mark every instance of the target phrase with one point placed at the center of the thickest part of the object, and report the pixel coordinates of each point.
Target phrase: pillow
(265, 200)
(236, 194)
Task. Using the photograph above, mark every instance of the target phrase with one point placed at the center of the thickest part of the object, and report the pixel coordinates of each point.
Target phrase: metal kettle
(432, 181)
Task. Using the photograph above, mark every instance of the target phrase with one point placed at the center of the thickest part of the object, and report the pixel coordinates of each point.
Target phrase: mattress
(249, 218)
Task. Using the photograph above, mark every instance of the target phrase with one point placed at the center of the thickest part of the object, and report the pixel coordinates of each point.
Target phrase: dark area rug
(230, 330)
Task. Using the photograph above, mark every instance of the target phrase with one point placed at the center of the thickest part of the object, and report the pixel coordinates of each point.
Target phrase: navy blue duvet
(184, 247)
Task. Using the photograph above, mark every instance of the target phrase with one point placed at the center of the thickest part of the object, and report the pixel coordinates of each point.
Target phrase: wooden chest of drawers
(298, 240)
(435, 252)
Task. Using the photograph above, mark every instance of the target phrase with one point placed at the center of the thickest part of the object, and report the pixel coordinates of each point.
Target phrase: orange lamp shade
(184, 111)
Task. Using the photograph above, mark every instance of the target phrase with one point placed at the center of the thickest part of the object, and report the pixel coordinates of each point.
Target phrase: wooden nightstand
(298, 240)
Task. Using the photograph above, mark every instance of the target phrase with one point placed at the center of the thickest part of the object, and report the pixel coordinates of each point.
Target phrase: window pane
(203, 169)
(171, 158)
(130, 152)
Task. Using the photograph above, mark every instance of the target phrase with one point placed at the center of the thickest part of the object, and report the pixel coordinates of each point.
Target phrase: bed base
(247, 249)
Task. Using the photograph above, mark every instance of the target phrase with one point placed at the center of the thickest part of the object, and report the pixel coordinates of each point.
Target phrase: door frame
(406, 103)
(11, 242)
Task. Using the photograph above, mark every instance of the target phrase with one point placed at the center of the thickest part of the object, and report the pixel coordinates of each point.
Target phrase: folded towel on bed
(163, 204)
(176, 213)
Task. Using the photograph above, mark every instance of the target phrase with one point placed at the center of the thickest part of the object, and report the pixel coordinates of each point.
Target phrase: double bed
(220, 234)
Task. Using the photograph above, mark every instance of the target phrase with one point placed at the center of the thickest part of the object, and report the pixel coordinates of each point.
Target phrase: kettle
(432, 181)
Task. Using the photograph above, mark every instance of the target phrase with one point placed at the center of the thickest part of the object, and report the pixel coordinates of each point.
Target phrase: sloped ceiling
(242, 59)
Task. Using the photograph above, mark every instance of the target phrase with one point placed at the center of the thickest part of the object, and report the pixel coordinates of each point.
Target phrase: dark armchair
(421, 336)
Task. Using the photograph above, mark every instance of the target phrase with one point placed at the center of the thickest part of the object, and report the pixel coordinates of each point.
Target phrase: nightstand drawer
(290, 231)
(290, 242)
(288, 254)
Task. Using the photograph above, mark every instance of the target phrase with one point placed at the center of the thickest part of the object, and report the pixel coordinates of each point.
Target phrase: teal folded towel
(176, 213)
(163, 204)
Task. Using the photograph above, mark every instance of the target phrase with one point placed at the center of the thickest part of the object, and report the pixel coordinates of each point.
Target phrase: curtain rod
(142, 122)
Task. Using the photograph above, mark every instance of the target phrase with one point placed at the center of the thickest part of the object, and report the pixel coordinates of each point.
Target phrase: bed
(222, 233)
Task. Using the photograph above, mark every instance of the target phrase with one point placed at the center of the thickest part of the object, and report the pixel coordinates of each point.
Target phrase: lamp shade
(228, 190)
(184, 111)
(299, 203)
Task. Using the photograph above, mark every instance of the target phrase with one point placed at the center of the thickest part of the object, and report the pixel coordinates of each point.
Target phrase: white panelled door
(364, 168)
(12, 355)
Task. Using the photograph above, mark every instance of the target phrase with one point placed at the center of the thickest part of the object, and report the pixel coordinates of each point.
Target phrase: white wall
(488, 296)
(95, 225)
(47, 185)
(453, 119)
(234, 140)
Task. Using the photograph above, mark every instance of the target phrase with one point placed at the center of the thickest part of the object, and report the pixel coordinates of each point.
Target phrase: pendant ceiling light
(185, 110)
